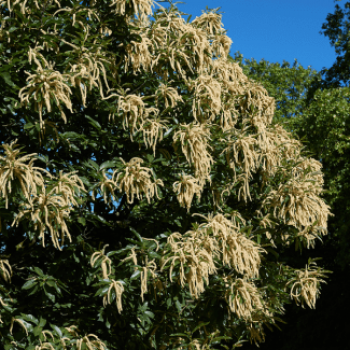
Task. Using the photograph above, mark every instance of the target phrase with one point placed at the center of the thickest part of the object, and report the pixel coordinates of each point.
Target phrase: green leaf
(71, 135)
(29, 284)
(37, 330)
(7, 77)
(94, 123)
(42, 322)
(49, 295)
(107, 165)
(37, 270)
(135, 274)
(34, 290)
(202, 324)
(28, 126)
(149, 314)
(136, 234)
(81, 221)
(57, 330)
(179, 335)
(30, 318)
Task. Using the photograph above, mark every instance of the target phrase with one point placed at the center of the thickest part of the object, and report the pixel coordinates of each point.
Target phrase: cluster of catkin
(221, 96)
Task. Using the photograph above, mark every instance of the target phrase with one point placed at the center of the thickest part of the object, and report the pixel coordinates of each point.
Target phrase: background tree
(147, 198)
(336, 28)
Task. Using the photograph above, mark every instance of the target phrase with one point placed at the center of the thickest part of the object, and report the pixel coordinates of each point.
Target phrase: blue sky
(275, 30)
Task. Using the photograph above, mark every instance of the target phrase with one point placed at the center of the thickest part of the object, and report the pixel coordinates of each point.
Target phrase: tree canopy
(148, 198)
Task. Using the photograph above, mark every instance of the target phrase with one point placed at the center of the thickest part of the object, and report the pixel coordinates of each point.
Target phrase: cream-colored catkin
(207, 93)
(302, 208)
(221, 45)
(216, 242)
(45, 332)
(12, 166)
(47, 83)
(86, 73)
(139, 55)
(210, 22)
(133, 109)
(118, 288)
(107, 187)
(90, 341)
(194, 144)
(32, 181)
(190, 252)
(5, 270)
(68, 184)
(139, 6)
(237, 251)
(135, 180)
(105, 263)
(22, 3)
(20, 322)
(186, 188)
(49, 211)
(132, 257)
(305, 286)
(244, 298)
(2, 303)
(153, 132)
(240, 152)
(168, 93)
(150, 268)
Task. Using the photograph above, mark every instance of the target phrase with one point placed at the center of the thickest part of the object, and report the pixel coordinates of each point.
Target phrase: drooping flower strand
(153, 131)
(305, 285)
(105, 262)
(139, 6)
(186, 188)
(244, 298)
(211, 245)
(210, 22)
(5, 270)
(45, 83)
(118, 288)
(14, 167)
(134, 180)
(50, 209)
(194, 144)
